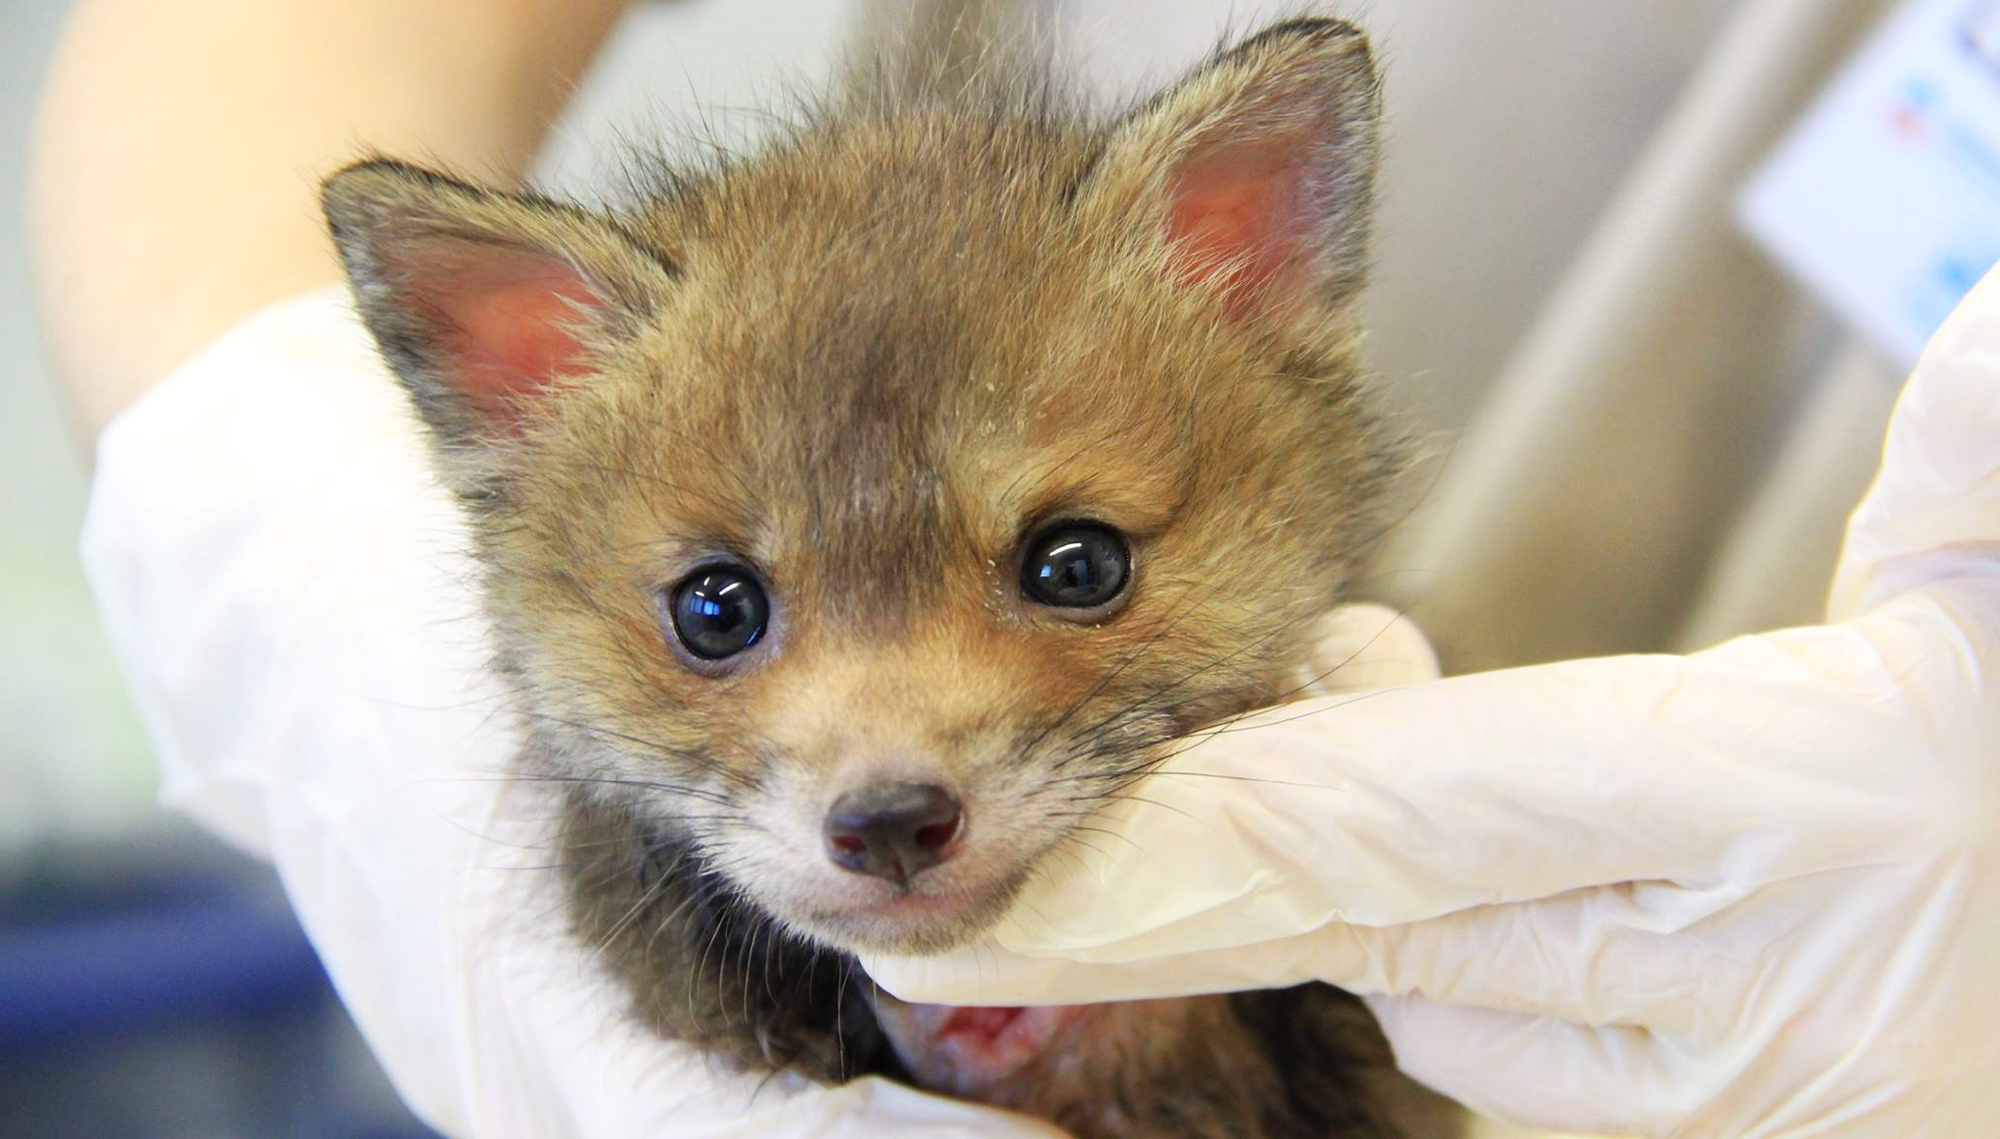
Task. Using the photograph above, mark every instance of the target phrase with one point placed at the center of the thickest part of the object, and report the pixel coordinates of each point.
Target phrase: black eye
(719, 612)
(1075, 565)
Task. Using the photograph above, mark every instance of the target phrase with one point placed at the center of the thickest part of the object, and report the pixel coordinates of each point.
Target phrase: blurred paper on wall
(1884, 199)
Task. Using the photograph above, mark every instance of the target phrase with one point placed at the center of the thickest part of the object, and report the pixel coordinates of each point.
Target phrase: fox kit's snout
(859, 515)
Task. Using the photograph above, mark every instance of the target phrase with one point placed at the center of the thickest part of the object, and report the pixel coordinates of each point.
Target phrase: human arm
(1750, 891)
(178, 149)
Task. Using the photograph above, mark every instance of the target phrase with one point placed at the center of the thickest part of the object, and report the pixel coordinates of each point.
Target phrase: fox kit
(858, 516)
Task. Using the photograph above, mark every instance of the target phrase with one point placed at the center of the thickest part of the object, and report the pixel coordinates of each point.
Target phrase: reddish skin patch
(514, 337)
(970, 1051)
(982, 1023)
(1235, 223)
(507, 312)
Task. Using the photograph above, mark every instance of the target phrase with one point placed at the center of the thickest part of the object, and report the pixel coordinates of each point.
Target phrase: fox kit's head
(863, 513)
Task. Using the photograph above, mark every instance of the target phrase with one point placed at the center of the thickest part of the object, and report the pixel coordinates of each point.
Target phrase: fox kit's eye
(718, 612)
(1075, 565)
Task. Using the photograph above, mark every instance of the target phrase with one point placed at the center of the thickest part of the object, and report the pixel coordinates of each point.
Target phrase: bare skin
(178, 148)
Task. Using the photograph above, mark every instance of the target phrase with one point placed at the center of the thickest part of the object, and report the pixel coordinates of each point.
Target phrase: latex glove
(284, 583)
(1748, 892)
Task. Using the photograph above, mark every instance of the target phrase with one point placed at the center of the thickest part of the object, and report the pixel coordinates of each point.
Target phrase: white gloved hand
(1754, 891)
(284, 582)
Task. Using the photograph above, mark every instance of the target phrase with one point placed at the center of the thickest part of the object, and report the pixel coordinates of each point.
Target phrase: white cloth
(287, 587)
(1752, 892)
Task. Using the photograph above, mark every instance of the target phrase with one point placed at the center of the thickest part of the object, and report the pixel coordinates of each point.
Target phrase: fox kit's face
(867, 513)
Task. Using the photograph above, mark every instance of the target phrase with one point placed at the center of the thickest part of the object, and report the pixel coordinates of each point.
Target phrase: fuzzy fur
(941, 311)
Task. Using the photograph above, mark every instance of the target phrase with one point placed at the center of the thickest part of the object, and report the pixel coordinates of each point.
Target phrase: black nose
(891, 830)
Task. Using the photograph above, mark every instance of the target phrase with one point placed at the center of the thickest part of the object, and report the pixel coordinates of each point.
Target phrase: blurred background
(1648, 275)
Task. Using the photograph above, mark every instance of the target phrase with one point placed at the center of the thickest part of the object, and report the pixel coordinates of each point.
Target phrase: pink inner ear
(505, 315)
(1235, 223)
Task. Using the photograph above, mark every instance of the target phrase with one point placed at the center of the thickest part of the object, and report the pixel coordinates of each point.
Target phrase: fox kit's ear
(483, 302)
(1254, 175)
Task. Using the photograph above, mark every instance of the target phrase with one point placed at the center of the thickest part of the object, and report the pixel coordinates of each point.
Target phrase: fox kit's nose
(891, 830)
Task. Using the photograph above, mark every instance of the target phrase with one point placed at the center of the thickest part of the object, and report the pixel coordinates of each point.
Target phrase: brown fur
(870, 361)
